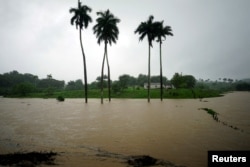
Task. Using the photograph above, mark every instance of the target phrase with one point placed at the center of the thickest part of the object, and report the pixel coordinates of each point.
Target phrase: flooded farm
(175, 131)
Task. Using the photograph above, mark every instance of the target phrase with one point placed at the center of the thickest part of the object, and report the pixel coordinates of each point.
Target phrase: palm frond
(106, 28)
(146, 29)
(81, 17)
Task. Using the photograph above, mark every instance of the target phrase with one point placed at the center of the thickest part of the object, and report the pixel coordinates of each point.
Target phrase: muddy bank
(32, 159)
(29, 159)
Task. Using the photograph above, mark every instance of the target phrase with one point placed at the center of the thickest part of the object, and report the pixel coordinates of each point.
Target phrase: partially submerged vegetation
(215, 117)
(212, 112)
(60, 98)
(28, 159)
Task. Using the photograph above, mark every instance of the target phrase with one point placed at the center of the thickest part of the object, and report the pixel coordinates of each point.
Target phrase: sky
(211, 39)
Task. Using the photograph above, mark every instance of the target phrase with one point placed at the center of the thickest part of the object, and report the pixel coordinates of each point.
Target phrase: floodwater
(98, 135)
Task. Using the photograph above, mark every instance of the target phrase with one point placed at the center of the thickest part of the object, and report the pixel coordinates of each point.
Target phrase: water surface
(172, 130)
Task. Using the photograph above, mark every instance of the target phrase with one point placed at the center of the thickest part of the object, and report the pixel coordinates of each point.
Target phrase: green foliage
(46, 83)
(17, 84)
(126, 80)
(116, 87)
(49, 91)
(141, 79)
(243, 86)
(23, 89)
(132, 92)
(212, 113)
(75, 85)
(186, 81)
(60, 98)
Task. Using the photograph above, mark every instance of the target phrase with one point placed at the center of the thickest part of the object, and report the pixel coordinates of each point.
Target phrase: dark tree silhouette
(82, 19)
(161, 33)
(106, 30)
(147, 29)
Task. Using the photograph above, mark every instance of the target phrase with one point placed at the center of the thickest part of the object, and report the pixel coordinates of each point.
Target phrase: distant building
(157, 86)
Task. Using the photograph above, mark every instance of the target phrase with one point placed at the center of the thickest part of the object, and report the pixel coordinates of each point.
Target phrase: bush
(60, 98)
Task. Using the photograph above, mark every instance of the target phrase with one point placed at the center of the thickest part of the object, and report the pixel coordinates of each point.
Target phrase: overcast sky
(211, 38)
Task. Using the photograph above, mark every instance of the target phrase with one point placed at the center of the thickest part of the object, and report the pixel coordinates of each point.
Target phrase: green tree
(116, 87)
(186, 81)
(124, 81)
(147, 28)
(158, 79)
(23, 89)
(176, 80)
(75, 85)
(141, 79)
(106, 30)
(161, 33)
(82, 19)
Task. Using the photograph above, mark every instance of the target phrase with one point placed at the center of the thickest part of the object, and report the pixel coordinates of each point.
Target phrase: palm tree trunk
(161, 73)
(108, 74)
(85, 68)
(102, 73)
(149, 77)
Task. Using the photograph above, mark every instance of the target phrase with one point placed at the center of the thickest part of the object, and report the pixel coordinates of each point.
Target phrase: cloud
(210, 39)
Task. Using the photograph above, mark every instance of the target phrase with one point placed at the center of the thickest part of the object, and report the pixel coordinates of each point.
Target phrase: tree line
(15, 83)
(107, 31)
(22, 84)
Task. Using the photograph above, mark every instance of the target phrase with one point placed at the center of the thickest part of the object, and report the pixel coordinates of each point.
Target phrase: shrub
(60, 98)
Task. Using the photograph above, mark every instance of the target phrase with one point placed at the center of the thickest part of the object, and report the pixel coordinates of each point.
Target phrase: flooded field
(92, 134)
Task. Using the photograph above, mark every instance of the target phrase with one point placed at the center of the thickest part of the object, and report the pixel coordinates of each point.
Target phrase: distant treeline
(15, 83)
(22, 84)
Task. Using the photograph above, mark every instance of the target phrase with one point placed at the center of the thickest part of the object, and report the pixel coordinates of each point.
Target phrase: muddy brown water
(100, 135)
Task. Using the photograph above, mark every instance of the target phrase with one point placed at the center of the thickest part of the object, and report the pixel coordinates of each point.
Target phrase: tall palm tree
(161, 33)
(106, 30)
(147, 29)
(82, 19)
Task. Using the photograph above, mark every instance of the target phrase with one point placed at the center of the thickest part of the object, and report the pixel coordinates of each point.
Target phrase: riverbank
(131, 93)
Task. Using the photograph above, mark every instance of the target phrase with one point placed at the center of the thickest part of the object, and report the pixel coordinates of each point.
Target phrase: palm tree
(82, 19)
(106, 30)
(161, 33)
(147, 29)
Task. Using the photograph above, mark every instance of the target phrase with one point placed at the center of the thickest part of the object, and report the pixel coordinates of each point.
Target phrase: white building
(157, 86)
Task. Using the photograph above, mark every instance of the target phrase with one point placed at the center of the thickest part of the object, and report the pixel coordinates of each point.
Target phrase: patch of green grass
(133, 93)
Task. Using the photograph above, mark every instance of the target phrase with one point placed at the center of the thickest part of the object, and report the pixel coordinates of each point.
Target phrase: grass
(133, 93)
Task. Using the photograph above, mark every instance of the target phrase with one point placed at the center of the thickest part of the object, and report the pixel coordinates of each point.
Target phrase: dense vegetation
(15, 84)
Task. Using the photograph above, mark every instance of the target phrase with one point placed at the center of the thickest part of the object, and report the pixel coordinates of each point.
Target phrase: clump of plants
(215, 117)
(212, 112)
(28, 159)
(60, 98)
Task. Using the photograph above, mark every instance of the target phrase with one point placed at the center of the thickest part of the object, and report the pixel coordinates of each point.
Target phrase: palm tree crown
(161, 31)
(147, 28)
(81, 17)
(106, 28)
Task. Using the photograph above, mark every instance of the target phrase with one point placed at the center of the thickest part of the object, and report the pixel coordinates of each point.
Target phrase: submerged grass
(215, 117)
(212, 113)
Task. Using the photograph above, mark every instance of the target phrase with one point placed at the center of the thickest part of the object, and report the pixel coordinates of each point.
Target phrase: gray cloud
(210, 39)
